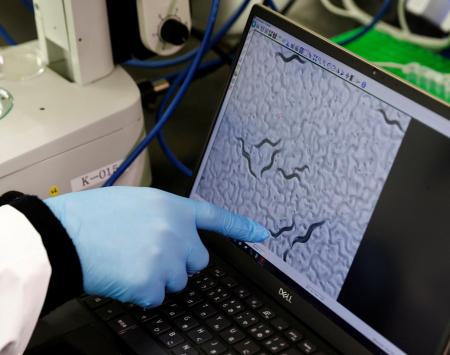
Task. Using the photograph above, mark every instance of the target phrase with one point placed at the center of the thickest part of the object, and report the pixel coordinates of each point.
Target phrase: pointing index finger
(214, 218)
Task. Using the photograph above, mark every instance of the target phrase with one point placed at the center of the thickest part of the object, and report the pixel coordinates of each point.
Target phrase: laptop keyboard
(213, 315)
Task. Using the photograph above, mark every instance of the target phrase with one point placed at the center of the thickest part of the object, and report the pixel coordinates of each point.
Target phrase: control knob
(174, 32)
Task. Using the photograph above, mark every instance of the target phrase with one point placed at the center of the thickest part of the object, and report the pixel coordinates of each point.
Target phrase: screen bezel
(323, 321)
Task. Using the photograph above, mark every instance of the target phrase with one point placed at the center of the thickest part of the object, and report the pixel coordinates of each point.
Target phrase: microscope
(69, 114)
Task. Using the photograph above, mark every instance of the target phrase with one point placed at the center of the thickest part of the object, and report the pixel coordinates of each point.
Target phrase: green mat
(422, 67)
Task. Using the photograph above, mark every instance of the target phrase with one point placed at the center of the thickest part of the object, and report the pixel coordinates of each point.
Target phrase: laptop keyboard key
(185, 349)
(241, 292)
(200, 335)
(205, 283)
(260, 331)
(144, 314)
(130, 306)
(173, 310)
(232, 335)
(279, 324)
(246, 319)
(213, 292)
(213, 347)
(110, 311)
(307, 346)
(229, 282)
(217, 272)
(191, 298)
(186, 322)
(232, 306)
(94, 302)
(276, 344)
(253, 302)
(171, 339)
(266, 313)
(122, 324)
(157, 326)
(293, 335)
(247, 347)
(204, 310)
(218, 294)
(218, 322)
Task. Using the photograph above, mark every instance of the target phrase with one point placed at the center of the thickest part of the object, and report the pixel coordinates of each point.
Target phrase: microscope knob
(174, 32)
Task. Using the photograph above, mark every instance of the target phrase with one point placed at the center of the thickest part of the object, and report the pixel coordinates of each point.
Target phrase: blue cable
(171, 76)
(28, 4)
(190, 73)
(272, 5)
(172, 158)
(179, 76)
(367, 28)
(185, 57)
(7, 37)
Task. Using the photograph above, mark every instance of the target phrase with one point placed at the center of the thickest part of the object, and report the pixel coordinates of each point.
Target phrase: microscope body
(76, 114)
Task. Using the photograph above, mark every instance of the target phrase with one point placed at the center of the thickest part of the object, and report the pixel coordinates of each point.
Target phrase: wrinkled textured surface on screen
(306, 154)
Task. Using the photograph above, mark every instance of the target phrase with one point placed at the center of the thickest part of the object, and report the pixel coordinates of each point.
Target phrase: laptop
(349, 169)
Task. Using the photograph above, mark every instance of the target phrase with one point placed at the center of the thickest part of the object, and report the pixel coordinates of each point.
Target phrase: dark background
(399, 282)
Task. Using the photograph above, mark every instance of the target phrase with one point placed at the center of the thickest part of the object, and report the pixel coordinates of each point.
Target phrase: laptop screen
(352, 180)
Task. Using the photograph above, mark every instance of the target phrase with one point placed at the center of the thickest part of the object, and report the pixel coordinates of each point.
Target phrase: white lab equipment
(69, 115)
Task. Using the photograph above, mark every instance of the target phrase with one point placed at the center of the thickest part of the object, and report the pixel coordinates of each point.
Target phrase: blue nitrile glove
(136, 243)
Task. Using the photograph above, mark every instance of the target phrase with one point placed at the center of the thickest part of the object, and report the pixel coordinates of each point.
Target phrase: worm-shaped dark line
(268, 141)
(303, 168)
(291, 58)
(272, 159)
(288, 176)
(285, 254)
(282, 230)
(390, 122)
(246, 156)
(305, 238)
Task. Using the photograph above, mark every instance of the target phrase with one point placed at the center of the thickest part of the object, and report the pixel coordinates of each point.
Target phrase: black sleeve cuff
(66, 280)
(9, 196)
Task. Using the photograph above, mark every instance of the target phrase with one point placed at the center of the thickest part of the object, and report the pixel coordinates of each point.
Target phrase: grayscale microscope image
(308, 166)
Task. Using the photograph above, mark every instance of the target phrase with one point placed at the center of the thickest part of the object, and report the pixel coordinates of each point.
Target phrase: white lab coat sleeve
(24, 277)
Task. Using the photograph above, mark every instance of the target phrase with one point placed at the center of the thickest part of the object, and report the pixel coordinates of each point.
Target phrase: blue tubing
(173, 159)
(165, 148)
(28, 4)
(374, 21)
(6, 36)
(272, 5)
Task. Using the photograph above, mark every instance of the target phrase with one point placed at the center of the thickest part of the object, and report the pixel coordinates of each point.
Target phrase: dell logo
(285, 295)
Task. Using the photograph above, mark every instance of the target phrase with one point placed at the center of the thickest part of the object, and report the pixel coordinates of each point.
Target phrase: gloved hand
(136, 243)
